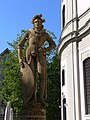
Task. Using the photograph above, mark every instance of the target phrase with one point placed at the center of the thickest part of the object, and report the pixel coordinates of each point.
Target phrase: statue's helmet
(38, 16)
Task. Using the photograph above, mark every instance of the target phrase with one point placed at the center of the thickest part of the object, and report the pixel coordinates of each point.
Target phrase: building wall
(69, 9)
(73, 49)
(67, 90)
(84, 47)
(83, 5)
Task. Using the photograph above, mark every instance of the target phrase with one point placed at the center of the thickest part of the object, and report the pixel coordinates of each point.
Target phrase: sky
(16, 15)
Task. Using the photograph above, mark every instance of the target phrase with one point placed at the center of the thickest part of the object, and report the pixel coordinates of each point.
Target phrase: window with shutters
(86, 70)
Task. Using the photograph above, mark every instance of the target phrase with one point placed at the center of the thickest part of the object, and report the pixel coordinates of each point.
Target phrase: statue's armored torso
(37, 39)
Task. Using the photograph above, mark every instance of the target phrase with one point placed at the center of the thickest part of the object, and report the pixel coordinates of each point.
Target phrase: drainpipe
(77, 65)
(73, 65)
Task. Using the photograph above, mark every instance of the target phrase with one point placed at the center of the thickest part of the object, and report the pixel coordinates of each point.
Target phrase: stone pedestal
(34, 112)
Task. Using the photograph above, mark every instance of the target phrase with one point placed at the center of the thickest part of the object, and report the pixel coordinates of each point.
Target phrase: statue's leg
(42, 84)
(42, 77)
(32, 66)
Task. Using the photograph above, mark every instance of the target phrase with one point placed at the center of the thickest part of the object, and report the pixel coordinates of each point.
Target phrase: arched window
(86, 70)
(63, 16)
(64, 109)
(63, 77)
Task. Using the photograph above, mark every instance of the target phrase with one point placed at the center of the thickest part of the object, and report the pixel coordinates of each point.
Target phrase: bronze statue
(35, 59)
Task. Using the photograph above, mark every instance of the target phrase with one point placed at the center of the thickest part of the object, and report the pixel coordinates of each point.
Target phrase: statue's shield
(27, 82)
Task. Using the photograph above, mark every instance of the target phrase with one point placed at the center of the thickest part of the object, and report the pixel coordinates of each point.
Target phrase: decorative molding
(72, 36)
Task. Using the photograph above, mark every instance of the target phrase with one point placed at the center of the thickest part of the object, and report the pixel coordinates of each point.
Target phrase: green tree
(53, 88)
(11, 85)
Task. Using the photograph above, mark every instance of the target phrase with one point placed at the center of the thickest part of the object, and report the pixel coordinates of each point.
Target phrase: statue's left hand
(22, 64)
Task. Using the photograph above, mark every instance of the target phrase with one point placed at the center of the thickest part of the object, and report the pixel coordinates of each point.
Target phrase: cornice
(74, 35)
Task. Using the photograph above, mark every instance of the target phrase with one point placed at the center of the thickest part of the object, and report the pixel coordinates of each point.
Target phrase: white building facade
(74, 54)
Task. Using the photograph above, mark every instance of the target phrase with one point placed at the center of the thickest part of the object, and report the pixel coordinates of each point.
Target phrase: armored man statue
(35, 63)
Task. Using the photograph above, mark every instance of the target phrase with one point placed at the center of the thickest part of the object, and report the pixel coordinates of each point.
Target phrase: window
(63, 16)
(64, 109)
(86, 70)
(63, 77)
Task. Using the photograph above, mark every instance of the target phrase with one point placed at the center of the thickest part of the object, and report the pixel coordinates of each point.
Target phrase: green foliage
(11, 85)
(53, 88)
(14, 44)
